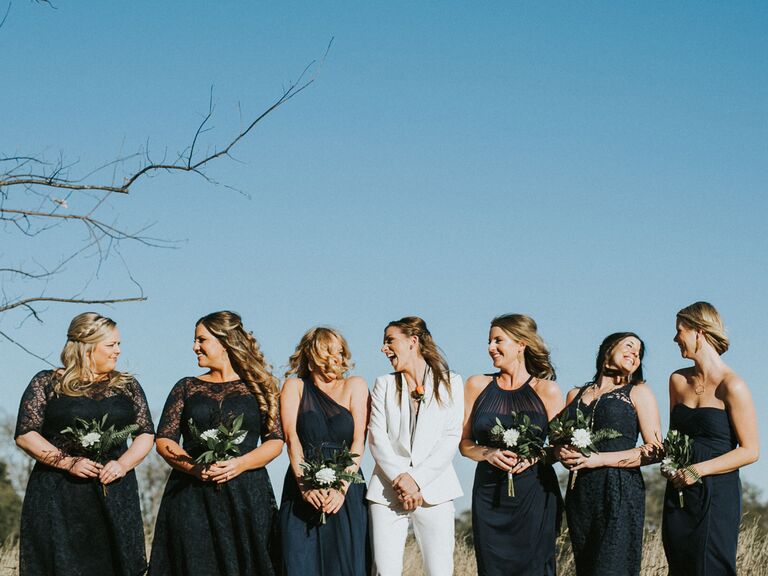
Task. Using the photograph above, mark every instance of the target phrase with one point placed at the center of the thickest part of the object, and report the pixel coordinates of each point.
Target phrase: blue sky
(595, 165)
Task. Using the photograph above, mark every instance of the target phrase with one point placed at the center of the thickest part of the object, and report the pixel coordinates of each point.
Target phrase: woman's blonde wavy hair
(704, 317)
(415, 326)
(247, 360)
(77, 377)
(523, 329)
(313, 353)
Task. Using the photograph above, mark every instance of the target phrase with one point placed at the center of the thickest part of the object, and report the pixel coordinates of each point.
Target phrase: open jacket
(428, 459)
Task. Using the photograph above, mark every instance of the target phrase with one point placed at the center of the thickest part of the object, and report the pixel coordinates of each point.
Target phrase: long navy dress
(340, 546)
(209, 529)
(700, 539)
(606, 507)
(69, 527)
(513, 535)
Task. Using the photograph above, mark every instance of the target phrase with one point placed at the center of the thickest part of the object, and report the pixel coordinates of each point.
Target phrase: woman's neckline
(518, 389)
(212, 382)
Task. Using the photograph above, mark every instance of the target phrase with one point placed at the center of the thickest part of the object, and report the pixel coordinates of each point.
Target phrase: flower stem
(680, 497)
(510, 484)
(573, 479)
(322, 518)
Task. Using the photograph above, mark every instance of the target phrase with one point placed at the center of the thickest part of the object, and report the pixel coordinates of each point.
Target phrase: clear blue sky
(595, 165)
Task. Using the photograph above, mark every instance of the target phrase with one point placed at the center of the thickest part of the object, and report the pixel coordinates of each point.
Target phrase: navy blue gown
(69, 527)
(209, 529)
(700, 539)
(513, 535)
(606, 507)
(340, 546)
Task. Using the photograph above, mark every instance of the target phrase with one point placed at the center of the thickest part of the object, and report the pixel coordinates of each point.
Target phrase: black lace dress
(606, 507)
(340, 546)
(69, 527)
(701, 538)
(210, 529)
(513, 535)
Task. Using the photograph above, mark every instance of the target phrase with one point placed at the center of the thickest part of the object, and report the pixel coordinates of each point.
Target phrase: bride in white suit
(413, 434)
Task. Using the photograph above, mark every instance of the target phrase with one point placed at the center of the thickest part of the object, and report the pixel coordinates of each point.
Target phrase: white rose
(90, 439)
(213, 433)
(325, 476)
(581, 438)
(239, 439)
(510, 437)
(667, 465)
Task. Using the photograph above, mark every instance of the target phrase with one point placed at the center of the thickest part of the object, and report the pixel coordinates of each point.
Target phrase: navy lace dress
(700, 539)
(513, 535)
(209, 529)
(340, 546)
(69, 527)
(606, 507)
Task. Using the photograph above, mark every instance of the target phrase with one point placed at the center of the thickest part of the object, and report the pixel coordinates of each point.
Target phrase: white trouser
(432, 527)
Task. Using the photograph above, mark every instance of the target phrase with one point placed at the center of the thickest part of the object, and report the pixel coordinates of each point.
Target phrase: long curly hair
(604, 354)
(77, 377)
(524, 330)
(313, 353)
(415, 326)
(247, 360)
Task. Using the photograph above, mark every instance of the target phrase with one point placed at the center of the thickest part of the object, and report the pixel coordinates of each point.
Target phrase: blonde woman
(81, 516)
(323, 411)
(414, 432)
(513, 534)
(220, 519)
(711, 404)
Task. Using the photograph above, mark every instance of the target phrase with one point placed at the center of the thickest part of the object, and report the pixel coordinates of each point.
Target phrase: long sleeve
(33, 404)
(378, 439)
(441, 457)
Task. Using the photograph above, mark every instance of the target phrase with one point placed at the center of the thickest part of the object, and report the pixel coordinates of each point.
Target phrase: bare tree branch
(26, 301)
(27, 350)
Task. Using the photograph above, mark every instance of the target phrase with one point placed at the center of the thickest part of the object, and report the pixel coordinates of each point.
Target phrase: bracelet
(693, 473)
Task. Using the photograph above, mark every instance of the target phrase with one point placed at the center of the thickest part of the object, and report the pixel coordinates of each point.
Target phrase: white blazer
(436, 439)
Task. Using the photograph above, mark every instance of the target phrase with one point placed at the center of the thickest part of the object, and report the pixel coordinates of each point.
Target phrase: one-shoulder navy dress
(340, 546)
(513, 535)
(606, 506)
(700, 538)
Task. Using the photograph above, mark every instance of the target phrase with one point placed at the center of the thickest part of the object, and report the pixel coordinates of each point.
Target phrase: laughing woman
(81, 517)
(605, 503)
(414, 432)
(323, 411)
(713, 406)
(220, 519)
(512, 534)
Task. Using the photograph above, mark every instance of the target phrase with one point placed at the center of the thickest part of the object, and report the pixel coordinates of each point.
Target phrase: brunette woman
(605, 502)
(82, 517)
(513, 535)
(713, 406)
(414, 432)
(323, 411)
(220, 519)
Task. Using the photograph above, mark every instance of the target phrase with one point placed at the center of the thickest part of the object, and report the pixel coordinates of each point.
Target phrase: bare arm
(34, 444)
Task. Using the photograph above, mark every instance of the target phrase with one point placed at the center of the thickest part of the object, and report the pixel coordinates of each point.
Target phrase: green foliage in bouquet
(578, 432)
(94, 440)
(678, 456)
(332, 472)
(222, 442)
(521, 438)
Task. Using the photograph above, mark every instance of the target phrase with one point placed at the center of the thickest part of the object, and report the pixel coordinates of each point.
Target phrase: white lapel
(404, 436)
(427, 412)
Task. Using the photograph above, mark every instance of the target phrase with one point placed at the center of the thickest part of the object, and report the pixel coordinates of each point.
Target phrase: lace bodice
(209, 404)
(43, 411)
(614, 410)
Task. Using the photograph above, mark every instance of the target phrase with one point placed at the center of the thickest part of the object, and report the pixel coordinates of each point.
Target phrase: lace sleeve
(170, 421)
(274, 433)
(143, 416)
(33, 403)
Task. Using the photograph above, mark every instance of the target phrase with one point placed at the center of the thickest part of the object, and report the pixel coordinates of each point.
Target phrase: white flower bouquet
(522, 439)
(678, 456)
(578, 432)
(95, 440)
(325, 473)
(222, 442)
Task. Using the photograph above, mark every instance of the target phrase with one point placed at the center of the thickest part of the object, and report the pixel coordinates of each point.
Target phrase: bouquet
(222, 442)
(324, 473)
(521, 438)
(93, 439)
(677, 447)
(578, 432)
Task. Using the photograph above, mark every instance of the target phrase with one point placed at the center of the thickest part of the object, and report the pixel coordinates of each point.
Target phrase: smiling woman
(81, 512)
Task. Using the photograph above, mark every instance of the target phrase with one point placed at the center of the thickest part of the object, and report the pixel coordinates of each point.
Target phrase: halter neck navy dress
(513, 535)
(606, 507)
(340, 546)
(700, 539)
